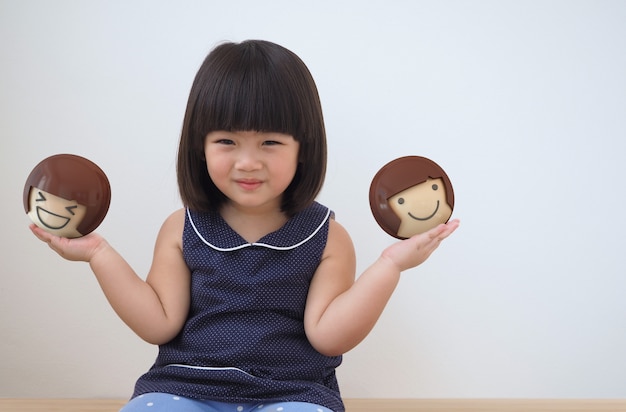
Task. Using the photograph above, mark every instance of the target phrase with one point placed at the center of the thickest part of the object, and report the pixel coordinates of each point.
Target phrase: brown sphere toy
(411, 195)
(67, 195)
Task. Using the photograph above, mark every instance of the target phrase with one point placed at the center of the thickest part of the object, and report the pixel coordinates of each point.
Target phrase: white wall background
(522, 102)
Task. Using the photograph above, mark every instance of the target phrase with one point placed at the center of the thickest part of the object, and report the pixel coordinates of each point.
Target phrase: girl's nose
(248, 160)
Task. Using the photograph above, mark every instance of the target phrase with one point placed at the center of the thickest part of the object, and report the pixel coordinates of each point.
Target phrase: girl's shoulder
(338, 236)
(173, 224)
(177, 216)
(339, 243)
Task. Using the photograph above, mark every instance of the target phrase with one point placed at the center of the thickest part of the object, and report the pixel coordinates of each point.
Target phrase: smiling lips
(426, 218)
(249, 184)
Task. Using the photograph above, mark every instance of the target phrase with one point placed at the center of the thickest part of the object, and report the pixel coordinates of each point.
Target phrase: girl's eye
(225, 141)
(270, 143)
(71, 209)
(435, 187)
(401, 201)
(41, 197)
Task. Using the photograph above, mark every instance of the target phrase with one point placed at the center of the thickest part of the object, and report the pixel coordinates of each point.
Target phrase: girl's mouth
(249, 184)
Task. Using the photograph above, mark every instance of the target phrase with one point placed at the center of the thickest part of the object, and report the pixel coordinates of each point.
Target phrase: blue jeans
(163, 402)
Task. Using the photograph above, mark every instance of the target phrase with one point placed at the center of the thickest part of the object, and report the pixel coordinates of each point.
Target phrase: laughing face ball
(67, 195)
(411, 195)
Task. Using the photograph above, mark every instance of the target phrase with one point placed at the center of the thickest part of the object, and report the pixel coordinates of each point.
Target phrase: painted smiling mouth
(52, 220)
(426, 218)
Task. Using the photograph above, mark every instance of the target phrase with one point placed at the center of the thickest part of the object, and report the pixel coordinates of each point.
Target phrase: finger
(448, 228)
(50, 239)
(437, 234)
(39, 233)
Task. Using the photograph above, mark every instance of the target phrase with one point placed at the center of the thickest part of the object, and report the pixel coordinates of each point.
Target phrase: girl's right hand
(78, 249)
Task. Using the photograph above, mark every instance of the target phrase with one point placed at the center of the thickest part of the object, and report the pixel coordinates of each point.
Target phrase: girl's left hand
(412, 252)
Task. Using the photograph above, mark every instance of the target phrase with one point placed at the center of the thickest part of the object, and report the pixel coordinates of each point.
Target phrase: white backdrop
(523, 103)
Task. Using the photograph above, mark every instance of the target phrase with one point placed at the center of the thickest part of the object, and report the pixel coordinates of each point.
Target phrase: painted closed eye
(41, 197)
(71, 209)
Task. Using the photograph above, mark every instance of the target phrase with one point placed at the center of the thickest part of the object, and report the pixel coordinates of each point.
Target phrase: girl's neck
(253, 224)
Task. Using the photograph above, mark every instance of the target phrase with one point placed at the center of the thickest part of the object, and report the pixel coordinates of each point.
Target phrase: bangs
(251, 91)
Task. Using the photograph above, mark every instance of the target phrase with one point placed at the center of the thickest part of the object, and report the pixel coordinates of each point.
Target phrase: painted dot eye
(401, 201)
(435, 187)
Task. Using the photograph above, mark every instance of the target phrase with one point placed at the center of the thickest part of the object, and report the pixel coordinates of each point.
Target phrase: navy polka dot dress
(244, 338)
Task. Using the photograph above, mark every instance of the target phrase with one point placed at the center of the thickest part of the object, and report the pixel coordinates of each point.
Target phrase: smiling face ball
(67, 195)
(411, 195)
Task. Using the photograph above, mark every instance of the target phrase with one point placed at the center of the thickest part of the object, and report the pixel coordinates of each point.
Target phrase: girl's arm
(156, 308)
(341, 312)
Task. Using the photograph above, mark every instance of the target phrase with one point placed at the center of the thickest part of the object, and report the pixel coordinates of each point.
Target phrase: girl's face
(252, 169)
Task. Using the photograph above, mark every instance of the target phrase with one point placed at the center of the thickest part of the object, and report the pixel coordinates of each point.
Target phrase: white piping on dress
(208, 368)
(245, 245)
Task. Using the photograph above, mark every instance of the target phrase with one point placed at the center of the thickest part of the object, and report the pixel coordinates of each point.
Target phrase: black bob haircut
(259, 86)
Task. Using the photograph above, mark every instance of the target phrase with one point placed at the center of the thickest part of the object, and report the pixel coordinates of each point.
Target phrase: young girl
(251, 295)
